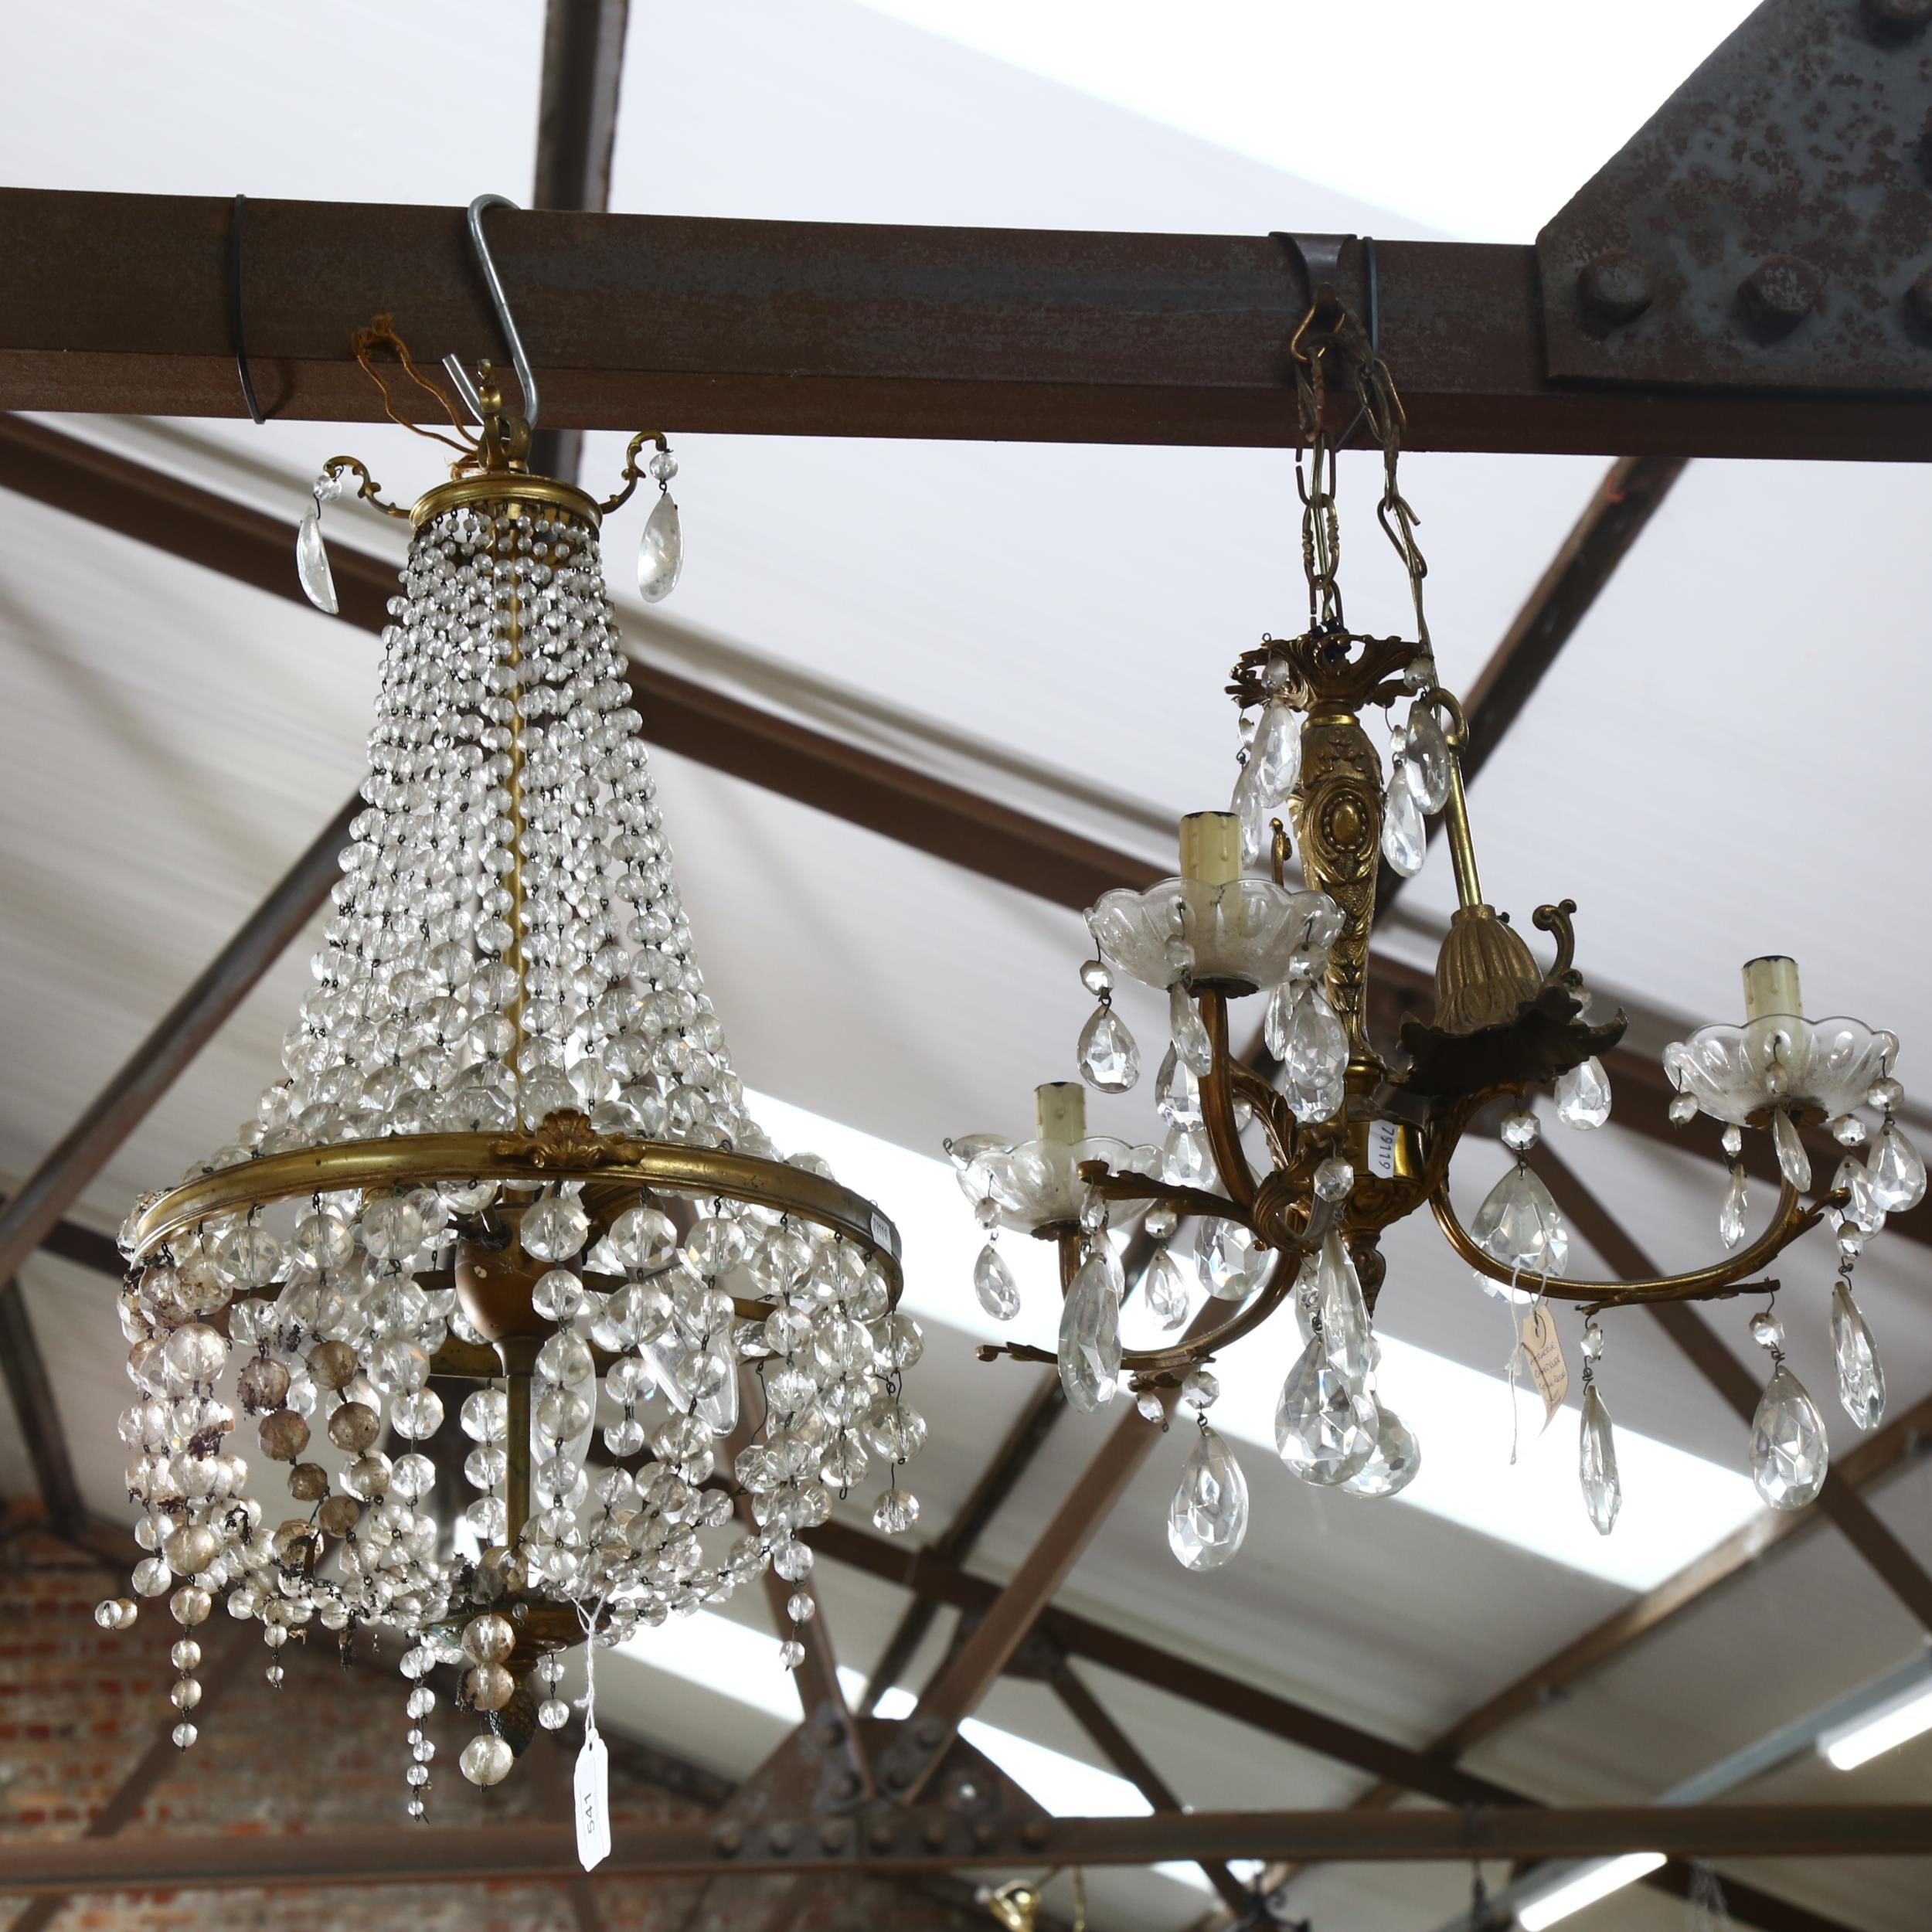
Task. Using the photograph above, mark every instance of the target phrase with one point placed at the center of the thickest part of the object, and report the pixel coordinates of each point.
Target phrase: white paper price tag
(593, 1801)
(1381, 1148)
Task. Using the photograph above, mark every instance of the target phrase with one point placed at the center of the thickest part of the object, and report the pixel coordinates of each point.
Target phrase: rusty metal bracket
(1771, 225)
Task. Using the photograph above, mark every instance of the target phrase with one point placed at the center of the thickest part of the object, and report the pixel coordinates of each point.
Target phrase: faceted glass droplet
(1861, 1377)
(1520, 1225)
(1789, 1453)
(1110, 1060)
(1231, 1264)
(1405, 839)
(1898, 1174)
(993, 1283)
(1792, 1161)
(311, 563)
(1276, 752)
(1208, 1516)
(1315, 1058)
(1178, 1100)
(1190, 1035)
(1090, 1343)
(1597, 1464)
(1427, 751)
(660, 552)
(1256, 809)
(1325, 1427)
(1345, 1315)
(1163, 1290)
(1393, 1464)
(1582, 1095)
(1730, 1216)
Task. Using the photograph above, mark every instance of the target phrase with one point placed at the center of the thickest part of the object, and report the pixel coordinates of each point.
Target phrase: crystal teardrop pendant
(1163, 1290)
(1110, 1060)
(1178, 1101)
(311, 563)
(1190, 1035)
(1405, 839)
(1582, 1095)
(1597, 1464)
(994, 1284)
(1325, 1427)
(1897, 1171)
(1208, 1516)
(1861, 1377)
(1427, 751)
(1256, 809)
(1520, 1225)
(1792, 1161)
(1276, 752)
(660, 552)
(1316, 1056)
(1789, 1452)
(1854, 1179)
(1393, 1463)
(1345, 1315)
(1090, 1342)
(1231, 1264)
(1730, 1216)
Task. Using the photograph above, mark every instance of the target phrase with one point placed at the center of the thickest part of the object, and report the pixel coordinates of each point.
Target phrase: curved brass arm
(1217, 1106)
(1791, 1219)
(368, 489)
(629, 476)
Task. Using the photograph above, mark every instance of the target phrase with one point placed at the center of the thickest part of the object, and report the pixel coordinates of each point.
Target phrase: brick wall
(79, 1707)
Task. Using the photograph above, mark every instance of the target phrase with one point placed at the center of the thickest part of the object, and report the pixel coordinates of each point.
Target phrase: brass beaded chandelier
(507, 1148)
(1292, 1182)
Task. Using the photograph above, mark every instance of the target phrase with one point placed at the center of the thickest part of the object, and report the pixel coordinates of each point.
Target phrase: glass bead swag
(1290, 1180)
(506, 1147)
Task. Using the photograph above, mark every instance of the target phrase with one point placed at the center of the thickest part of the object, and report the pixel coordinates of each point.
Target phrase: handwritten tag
(1381, 1148)
(1542, 1354)
(593, 1801)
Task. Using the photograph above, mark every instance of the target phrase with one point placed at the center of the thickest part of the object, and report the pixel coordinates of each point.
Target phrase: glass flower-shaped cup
(1232, 938)
(1036, 1184)
(1738, 1073)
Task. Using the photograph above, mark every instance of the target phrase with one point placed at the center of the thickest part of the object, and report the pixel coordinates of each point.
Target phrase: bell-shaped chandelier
(507, 1148)
(1290, 1180)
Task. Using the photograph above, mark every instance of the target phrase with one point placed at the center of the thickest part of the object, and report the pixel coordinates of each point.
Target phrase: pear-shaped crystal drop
(1279, 1016)
(1256, 809)
(1109, 1059)
(1317, 1056)
(1231, 1264)
(1519, 1225)
(1730, 1216)
(1582, 1095)
(1405, 839)
(1089, 1350)
(1187, 1160)
(1792, 1161)
(1427, 752)
(993, 1283)
(1325, 1426)
(1854, 1180)
(1394, 1462)
(1345, 1315)
(660, 552)
(1861, 1378)
(1597, 1464)
(311, 563)
(1898, 1174)
(1178, 1095)
(1789, 1451)
(1190, 1035)
(1163, 1290)
(1276, 752)
(1208, 1516)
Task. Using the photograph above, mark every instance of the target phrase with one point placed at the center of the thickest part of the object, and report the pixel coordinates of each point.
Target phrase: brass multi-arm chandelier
(508, 1148)
(1293, 1184)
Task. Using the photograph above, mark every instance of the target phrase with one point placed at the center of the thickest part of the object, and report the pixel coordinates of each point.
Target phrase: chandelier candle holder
(507, 1149)
(1291, 1180)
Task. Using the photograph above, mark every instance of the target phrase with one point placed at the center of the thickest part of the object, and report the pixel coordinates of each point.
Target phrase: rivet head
(835, 1834)
(1617, 286)
(928, 1732)
(845, 1785)
(1033, 1833)
(935, 1833)
(781, 1836)
(882, 1837)
(983, 1836)
(1780, 291)
(728, 1840)
(1918, 300)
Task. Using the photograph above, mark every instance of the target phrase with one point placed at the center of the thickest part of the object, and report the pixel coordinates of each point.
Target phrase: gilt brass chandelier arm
(553, 1153)
(1217, 1107)
(631, 476)
(1139, 1187)
(1791, 1219)
(1769, 1286)
(1271, 1107)
(367, 489)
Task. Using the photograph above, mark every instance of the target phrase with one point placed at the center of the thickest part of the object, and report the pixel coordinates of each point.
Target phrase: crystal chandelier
(507, 1148)
(1291, 1185)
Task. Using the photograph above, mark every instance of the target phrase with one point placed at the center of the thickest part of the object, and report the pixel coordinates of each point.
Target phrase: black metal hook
(1318, 259)
(237, 318)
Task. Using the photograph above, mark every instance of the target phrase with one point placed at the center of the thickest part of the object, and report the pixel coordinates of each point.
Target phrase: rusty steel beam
(31, 1389)
(1890, 1559)
(121, 302)
(576, 132)
(898, 1844)
(1126, 1756)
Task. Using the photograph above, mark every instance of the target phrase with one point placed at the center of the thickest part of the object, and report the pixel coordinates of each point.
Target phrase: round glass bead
(1333, 1179)
(1520, 1132)
(1096, 977)
(1766, 1330)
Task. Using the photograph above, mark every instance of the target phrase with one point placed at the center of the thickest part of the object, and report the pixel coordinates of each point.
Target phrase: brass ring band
(424, 1159)
(509, 493)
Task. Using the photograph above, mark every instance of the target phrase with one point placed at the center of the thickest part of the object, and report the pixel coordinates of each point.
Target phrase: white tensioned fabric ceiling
(1722, 763)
